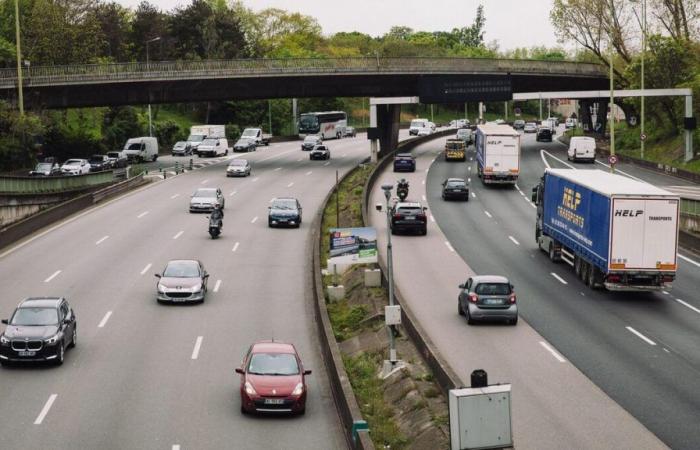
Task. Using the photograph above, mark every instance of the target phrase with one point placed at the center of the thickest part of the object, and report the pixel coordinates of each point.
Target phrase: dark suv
(284, 212)
(40, 329)
(544, 134)
(404, 162)
(409, 216)
(99, 163)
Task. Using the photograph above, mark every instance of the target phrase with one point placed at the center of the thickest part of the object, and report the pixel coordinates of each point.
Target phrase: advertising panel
(353, 246)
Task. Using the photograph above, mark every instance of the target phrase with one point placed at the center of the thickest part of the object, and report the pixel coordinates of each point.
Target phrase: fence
(43, 185)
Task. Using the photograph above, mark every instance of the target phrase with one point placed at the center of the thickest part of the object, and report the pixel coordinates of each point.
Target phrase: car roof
(193, 261)
(40, 302)
(205, 189)
(455, 179)
(490, 279)
(404, 155)
(273, 347)
(284, 198)
(408, 205)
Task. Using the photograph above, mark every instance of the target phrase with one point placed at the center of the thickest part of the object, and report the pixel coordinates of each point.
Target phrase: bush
(168, 132)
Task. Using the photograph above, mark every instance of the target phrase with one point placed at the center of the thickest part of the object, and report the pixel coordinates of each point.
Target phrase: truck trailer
(616, 232)
(199, 133)
(497, 154)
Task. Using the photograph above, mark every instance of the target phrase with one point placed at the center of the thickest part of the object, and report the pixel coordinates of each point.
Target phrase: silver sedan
(487, 297)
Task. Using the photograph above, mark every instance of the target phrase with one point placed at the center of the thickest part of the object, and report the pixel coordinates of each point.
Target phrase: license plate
(494, 301)
(274, 401)
(27, 353)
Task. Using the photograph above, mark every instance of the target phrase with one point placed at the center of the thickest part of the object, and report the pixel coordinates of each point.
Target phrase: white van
(141, 149)
(417, 125)
(581, 148)
(213, 147)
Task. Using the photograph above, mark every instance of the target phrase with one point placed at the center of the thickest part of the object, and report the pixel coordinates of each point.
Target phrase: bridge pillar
(388, 121)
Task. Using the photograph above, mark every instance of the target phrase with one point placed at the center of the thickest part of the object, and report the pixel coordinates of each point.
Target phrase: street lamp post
(20, 94)
(148, 68)
(390, 268)
(612, 106)
(644, 50)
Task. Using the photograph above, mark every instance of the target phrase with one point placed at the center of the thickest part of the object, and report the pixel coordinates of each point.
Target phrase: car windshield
(273, 364)
(250, 133)
(404, 158)
(238, 162)
(196, 138)
(35, 316)
(211, 142)
(417, 123)
(320, 148)
(182, 269)
(44, 166)
(72, 161)
(493, 289)
(310, 139)
(455, 183)
(284, 204)
(180, 144)
(205, 193)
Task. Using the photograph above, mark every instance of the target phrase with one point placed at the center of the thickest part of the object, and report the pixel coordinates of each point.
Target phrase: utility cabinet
(480, 418)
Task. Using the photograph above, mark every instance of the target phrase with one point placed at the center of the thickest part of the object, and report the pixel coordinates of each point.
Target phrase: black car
(320, 152)
(544, 134)
(409, 216)
(46, 169)
(404, 162)
(455, 188)
(98, 163)
(284, 212)
(40, 329)
(245, 145)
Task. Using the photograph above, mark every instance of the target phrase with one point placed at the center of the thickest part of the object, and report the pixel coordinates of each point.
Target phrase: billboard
(353, 246)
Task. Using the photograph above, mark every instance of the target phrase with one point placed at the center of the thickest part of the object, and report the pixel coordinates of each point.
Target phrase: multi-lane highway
(640, 349)
(154, 376)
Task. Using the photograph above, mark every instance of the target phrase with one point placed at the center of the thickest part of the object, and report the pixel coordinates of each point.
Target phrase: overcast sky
(513, 23)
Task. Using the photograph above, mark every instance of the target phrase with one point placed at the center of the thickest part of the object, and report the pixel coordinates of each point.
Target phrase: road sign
(643, 137)
(517, 111)
(612, 159)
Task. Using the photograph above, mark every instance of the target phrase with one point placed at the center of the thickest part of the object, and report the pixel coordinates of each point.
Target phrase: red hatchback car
(273, 379)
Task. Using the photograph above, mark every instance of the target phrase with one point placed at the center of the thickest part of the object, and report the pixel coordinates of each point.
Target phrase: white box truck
(198, 133)
(616, 232)
(497, 154)
(141, 149)
(257, 136)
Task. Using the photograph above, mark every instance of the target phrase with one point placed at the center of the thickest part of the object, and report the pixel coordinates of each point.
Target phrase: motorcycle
(215, 226)
(402, 191)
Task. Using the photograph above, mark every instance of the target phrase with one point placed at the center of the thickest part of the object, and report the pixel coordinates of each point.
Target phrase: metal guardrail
(175, 70)
(690, 207)
(42, 185)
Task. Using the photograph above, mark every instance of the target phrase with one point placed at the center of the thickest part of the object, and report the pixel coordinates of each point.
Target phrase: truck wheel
(552, 252)
(155, 157)
(595, 280)
(583, 272)
(577, 265)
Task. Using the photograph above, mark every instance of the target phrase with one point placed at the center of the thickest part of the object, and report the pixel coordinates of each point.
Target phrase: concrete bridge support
(388, 121)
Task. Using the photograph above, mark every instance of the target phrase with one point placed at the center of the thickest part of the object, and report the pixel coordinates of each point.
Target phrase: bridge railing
(140, 71)
(43, 185)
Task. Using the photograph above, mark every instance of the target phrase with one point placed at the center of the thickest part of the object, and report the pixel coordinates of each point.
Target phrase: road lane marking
(217, 285)
(279, 168)
(101, 240)
(449, 246)
(542, 152)
(45, 410)
(174, 196)
(641, 336)
(344, 155)
(54, 275)
(424, 199)
(179, 233)
(552, 351)
(277, 155)
(176, 447)
(290, 184)
(688, 305)
(432, 219)
(427, 169)
(205, 181)
(309, 172)
(488, 214)
(142, 214)
(272, 200)
(689, 260)
(235, 246)
(197, 346)
(145, 269)
(327, 163)
(473, 195)
(104, 320)
(299, 159)
(666, 292)
(255, 219)
(515, 241)
(423, 182)
(561, 280)
(232, 193)
(255, 179)
(623, 173)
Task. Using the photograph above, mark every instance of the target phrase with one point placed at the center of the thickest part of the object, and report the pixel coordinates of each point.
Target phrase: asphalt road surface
(149, 376)
(640, 348)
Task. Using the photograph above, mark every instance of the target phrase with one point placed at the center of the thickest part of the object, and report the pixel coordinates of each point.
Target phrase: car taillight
(667, 278)
(398, 216)
(422, 217)
(512, 299)
(473, 298)
(613, 278)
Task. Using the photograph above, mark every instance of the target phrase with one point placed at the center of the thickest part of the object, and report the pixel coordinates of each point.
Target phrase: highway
(639, 348)
(154, 376)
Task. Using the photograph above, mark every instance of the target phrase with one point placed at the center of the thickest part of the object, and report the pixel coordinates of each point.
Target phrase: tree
(149, 22)
(678, 17)
(114, 23)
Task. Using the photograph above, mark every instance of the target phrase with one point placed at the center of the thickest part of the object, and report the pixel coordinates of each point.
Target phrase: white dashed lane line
(197, 346)
(235, 246)
(101, 240)
(45, 409)
(142, 214)
(309, 172)
(449, 246)
(279, 168)
(640, 336)
(179, 233)
(488, 214)
(217, 285)
(290, 184)
(560, 279)
(104, 320)
(515, 241)
(255, 219)
(205, 181)
(175, 447)
(52, 276)
(232, 193)
(327, 163)
(255, 179)
(552, 351)
(423, 197)
(145, 269)
(432, 219)
(473, 195)
(174, 196)
(688, 305)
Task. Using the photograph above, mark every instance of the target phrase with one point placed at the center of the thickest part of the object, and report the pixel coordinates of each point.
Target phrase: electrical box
(392, 315)
(480, 418)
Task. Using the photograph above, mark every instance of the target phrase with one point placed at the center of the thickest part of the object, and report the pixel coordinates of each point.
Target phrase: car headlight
(299, 389)
(4, 340)
(249, 389)
(52, 339)
(161, 288)
(197, 288)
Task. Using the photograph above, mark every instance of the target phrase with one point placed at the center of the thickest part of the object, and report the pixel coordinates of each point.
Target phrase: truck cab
(141, 149)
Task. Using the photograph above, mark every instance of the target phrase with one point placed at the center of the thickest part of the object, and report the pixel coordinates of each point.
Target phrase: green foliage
(345, 318)
(168, 132)
(119, 124)
(17, 138)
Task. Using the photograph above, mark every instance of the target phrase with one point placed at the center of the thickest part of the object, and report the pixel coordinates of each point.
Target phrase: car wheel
(243, 411)
(74, 338)
(302, 411)
(459, 308)
(514, 321)
(61, 354)
(155, 157)
(424, 231)
(470, 321)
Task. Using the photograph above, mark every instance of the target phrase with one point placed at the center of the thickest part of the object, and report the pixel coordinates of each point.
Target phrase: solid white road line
(542, 152)
(688, 305)
(689, 260)
(641, 336)
(174, 196)
(290, 184)
(623, 173)
(45, 410)
(552, 351)
(197, 346)
(232, 193)
(488, 214)
(515, 241)
(145, 269)
(101, 240)
(327, 163)
(423, 197)
(54, 275)
(561, 280)
(309, 172)
(473, 195)
(235, 246)
(142, 214)
(449, 246)
(205, 181)
(217, 285)
(179, 233)
(255, 219)
(104, 320)
(176, 447)
(432, 219)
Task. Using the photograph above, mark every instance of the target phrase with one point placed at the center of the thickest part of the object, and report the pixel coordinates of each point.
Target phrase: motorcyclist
(217, 215)
(402, 189)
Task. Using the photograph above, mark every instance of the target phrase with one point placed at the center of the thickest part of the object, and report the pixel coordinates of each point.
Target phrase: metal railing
(183, 70)
(43, 185)
(690, 207)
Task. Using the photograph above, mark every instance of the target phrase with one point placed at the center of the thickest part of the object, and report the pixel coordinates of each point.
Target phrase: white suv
(75, 167)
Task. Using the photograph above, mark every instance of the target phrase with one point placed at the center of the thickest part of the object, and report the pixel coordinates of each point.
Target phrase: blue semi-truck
(616, 232)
